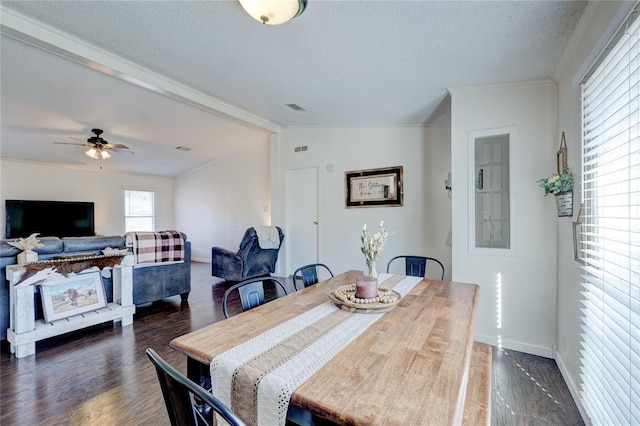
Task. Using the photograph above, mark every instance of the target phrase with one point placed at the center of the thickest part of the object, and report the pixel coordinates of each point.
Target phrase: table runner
(257, 377)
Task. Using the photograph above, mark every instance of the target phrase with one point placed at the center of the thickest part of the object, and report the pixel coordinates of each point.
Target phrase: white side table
(24, 330)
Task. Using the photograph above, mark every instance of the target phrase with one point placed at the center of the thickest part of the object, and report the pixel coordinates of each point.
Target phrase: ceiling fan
(99, 147)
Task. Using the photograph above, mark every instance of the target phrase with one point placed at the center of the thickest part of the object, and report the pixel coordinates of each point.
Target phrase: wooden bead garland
(347, 293)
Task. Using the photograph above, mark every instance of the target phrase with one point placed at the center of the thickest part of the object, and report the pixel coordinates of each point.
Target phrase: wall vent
(301, 148)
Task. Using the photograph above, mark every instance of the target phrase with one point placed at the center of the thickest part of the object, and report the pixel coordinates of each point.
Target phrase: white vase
(371, 268)
(27, 256)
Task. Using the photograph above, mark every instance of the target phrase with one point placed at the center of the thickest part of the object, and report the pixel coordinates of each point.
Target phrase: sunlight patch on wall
(499, 307)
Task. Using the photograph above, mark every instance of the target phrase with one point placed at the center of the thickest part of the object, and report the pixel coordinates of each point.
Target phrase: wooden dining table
(410, 366)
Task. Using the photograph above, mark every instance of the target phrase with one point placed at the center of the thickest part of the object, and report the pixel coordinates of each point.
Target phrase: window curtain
(610, 236)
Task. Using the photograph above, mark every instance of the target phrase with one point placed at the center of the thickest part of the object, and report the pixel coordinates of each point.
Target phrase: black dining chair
(416, 266)
(251, 293)
(185, 400)
(309, 274)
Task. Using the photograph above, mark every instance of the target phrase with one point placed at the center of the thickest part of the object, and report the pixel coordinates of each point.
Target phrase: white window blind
(139, 210)
(610, 237)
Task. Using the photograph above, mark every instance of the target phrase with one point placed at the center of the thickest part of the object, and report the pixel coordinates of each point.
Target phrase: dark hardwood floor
(529, 390)
(101, 375)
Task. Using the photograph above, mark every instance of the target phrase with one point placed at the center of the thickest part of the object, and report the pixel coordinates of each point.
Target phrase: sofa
(151, 281)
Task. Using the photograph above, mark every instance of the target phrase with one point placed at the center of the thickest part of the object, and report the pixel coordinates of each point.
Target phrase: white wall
(40, 181)
(421, 226)
(526, 303)
(216, 204)
(594, 30)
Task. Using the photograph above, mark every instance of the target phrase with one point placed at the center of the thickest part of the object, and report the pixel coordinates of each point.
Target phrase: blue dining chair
(309, 274)
(416, 266)
(251, 293)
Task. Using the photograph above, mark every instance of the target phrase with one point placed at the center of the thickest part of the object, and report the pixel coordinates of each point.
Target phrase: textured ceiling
(348, 63)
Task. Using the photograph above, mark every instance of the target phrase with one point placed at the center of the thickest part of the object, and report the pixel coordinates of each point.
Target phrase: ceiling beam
(37, 34)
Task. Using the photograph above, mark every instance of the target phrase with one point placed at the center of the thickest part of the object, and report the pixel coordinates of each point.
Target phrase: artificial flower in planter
(560, 185)
(27, 245)
(372, 245)
(557, 183)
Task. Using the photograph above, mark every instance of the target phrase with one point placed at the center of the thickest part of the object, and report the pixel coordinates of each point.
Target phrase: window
(491, 220)
(610, 236)
(492, 191)
(139, 210)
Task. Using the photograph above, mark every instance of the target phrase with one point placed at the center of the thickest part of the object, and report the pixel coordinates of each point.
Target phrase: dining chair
(416, 266)
(309, 274)
(185, 399)
(251, 293)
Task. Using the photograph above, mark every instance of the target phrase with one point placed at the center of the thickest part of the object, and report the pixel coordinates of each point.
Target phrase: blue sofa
(151, 282)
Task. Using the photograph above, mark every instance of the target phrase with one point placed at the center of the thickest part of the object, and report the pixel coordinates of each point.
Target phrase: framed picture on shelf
(381, 187)
(71, 296)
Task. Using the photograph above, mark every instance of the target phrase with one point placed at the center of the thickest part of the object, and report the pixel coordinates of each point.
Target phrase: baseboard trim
(543, 351)
(573, 387)
(201, 259)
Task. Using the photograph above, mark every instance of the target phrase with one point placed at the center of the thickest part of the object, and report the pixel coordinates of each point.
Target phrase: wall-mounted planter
(564, 203)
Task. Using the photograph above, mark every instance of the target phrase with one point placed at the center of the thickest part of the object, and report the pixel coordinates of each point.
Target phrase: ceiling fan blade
(99, 145)
(122, 151)
(114, 146)
(70, 143)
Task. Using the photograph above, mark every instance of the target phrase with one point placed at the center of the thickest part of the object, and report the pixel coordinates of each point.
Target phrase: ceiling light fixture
(92, 153)
(273, 12)
(105, 155)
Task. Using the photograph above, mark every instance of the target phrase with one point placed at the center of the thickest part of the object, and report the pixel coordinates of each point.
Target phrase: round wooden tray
(365, 308)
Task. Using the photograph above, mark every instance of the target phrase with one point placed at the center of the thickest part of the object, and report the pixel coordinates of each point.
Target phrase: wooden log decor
(71, 265)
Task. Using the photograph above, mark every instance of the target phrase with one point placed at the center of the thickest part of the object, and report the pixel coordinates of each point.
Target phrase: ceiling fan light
(105, 154)
(92, 153)
(273, 12)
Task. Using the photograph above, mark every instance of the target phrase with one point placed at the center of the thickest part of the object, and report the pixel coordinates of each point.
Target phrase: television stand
(25, 330)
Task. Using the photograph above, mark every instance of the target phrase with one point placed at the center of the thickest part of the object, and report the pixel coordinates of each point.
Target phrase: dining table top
(411, 366)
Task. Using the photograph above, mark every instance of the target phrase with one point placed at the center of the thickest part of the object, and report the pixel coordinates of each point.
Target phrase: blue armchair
(250, 260)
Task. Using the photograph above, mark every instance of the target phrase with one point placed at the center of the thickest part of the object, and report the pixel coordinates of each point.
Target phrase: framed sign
(73, 295)
(374, 187)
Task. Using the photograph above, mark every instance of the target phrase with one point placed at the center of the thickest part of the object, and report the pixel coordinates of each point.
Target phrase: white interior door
(301, 188)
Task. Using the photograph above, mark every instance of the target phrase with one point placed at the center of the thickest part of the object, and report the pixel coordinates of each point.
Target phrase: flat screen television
(49, 218)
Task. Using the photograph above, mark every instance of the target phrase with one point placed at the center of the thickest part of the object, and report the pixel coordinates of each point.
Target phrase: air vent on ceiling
(296, 107)
(183, 148)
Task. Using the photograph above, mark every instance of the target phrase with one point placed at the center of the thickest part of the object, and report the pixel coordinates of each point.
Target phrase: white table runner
(256, 378)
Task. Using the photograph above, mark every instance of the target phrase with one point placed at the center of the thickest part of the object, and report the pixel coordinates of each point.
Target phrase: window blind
(610, 236)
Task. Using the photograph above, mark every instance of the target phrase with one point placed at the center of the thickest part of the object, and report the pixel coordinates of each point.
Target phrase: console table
(24, 330)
